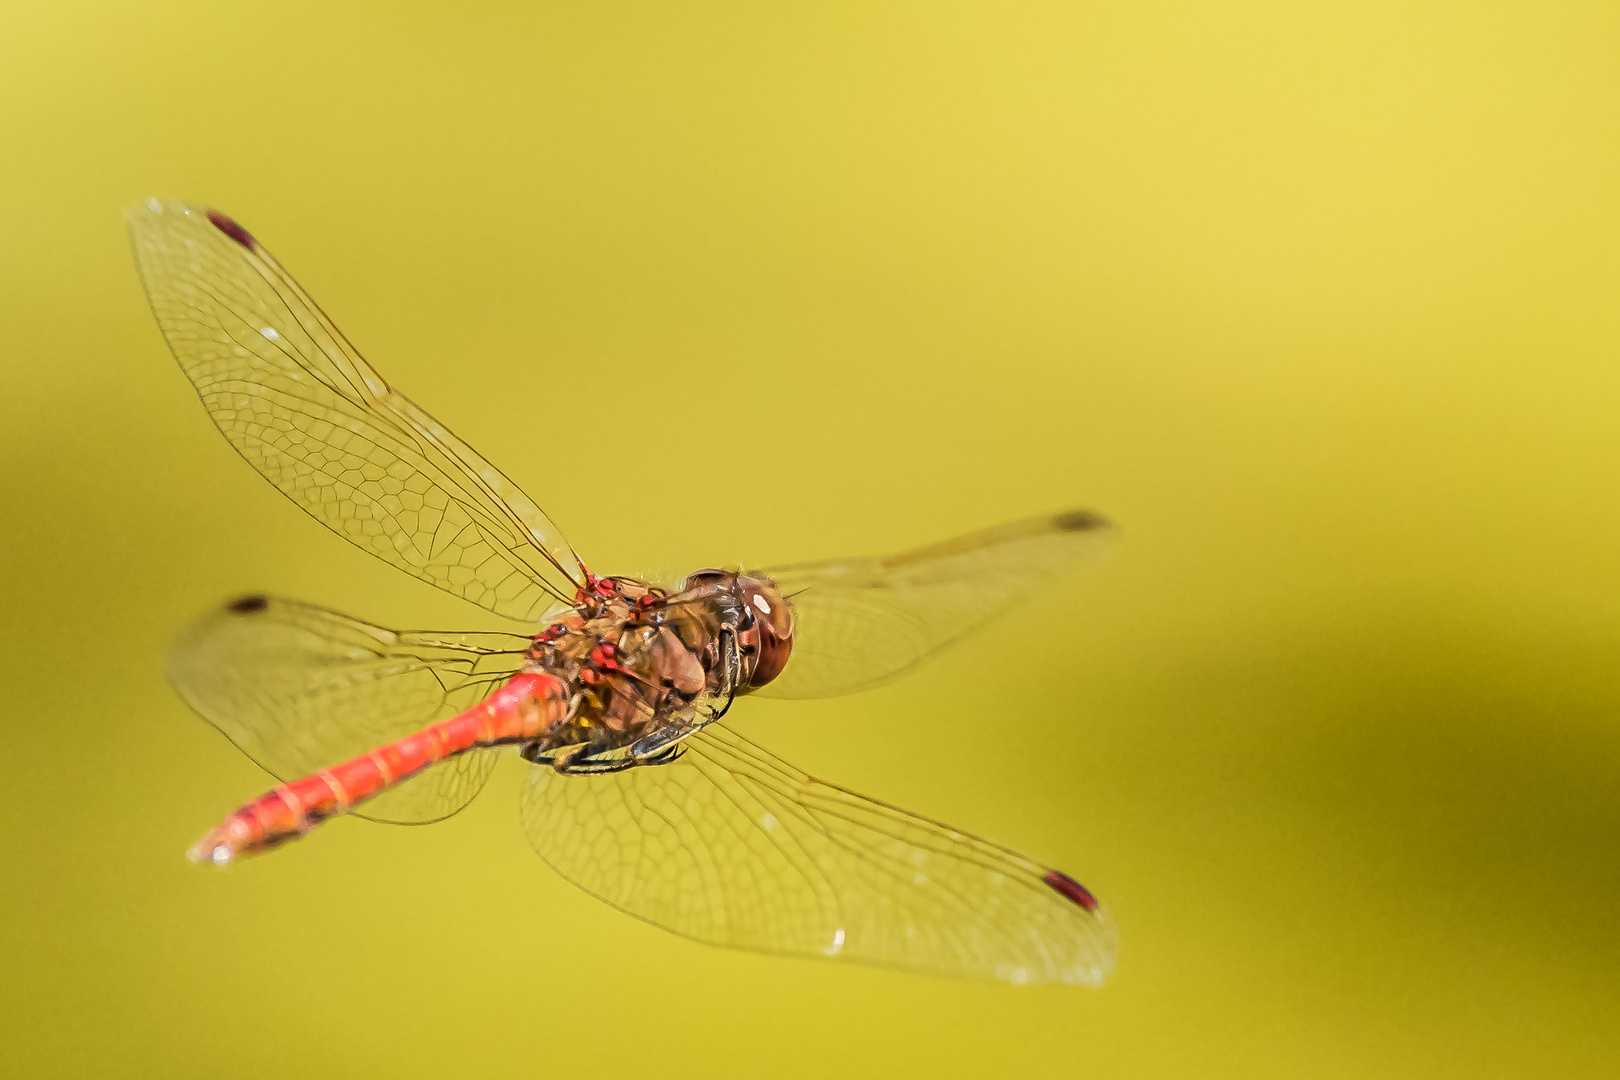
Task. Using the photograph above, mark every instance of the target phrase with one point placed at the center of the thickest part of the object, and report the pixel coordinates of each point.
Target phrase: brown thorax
(645, 667)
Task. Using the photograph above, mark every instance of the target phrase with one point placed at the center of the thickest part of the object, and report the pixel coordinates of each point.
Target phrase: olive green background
(1317, 301)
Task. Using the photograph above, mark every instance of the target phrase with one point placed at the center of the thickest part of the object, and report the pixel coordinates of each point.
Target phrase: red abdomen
(525, 708)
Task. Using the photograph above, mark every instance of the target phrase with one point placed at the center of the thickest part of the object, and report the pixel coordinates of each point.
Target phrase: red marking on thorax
(232, 229)
(1070, 889)
(586, 589)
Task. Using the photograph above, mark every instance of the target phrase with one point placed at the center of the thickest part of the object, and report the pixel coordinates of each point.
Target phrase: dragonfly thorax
(639, 660)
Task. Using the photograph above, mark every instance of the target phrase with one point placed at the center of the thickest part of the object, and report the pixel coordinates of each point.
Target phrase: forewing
(305, 409)
(298, 688)
(859, 623)
(732, 846)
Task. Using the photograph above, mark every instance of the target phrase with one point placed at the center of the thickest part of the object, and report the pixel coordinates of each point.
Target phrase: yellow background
(1317, 301)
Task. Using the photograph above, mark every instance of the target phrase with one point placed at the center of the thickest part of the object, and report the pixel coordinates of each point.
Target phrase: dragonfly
(616, 689)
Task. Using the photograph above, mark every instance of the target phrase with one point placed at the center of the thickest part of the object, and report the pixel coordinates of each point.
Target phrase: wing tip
(1071, 890)
(231, 228)
(152, 212)
(1099, 964)
(1080, 521)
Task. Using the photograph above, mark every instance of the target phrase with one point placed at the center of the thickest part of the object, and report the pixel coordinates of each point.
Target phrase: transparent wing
(298, 688)
(732, 846)
(305, 409)
(859, 623)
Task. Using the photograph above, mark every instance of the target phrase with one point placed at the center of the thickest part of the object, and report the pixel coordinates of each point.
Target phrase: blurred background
(1316, 302)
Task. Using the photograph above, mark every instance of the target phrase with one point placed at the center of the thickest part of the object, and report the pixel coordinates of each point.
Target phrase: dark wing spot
(1079, 521)
(1070, 889)
(248, 605)
(231, 229)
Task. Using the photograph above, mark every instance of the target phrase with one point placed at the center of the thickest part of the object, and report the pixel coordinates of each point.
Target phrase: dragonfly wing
(859, 623)
(305, 409)
(298, 688)
(732, 846)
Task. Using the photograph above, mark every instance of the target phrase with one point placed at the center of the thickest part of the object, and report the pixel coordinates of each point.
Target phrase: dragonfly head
(765, 633)
(756, 613)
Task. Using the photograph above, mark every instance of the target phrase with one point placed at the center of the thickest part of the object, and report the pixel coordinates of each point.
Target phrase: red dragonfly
(638, 793)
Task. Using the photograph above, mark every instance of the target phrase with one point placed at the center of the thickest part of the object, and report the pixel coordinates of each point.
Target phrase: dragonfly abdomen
(528, 706)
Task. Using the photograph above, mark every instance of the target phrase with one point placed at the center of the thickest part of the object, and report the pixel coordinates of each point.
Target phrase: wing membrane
(305, 409)
(732, 846)
(298, 688)
(860, 623)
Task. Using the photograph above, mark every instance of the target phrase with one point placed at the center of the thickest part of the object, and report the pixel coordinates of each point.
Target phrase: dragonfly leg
(654, 748)
(581, 760)
(733, 662)
(662, 756)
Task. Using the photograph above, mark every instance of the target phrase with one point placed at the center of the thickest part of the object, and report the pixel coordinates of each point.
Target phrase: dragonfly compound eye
(771, 633)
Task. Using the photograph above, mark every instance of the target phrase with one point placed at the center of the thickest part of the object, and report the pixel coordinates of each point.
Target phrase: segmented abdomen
(526, 707)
